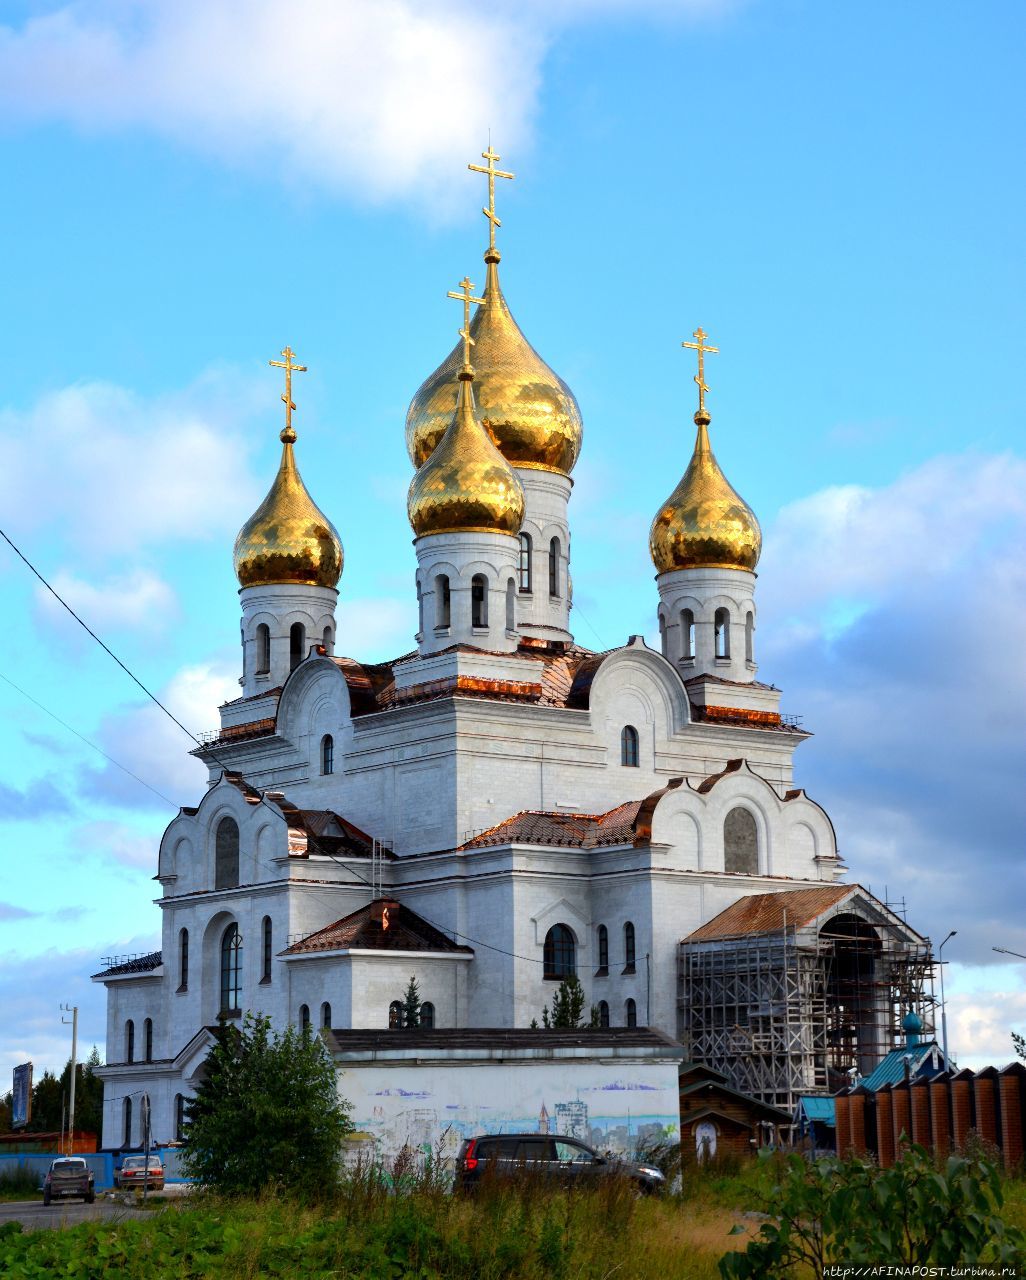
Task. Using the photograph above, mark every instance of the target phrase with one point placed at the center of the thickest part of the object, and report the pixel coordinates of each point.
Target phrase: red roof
(580, 830)
(382, 925)
(764, 912)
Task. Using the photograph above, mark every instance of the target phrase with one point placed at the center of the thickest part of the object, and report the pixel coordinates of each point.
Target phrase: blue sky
(834, 192)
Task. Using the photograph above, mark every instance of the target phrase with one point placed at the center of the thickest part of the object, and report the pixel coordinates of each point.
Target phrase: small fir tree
(567, 1006)
(268, 1113)
(411, 1005)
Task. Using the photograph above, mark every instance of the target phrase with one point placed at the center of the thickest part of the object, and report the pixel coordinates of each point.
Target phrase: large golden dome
(466, 485)
(529, 411)
(288, 539)
(704, 523)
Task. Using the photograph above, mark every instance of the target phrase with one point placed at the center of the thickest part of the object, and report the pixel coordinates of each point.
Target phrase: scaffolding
(803, 1010)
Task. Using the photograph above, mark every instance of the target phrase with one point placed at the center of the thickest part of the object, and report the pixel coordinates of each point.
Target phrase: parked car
(567, 1160)
(66, 1177)
(135, 1173)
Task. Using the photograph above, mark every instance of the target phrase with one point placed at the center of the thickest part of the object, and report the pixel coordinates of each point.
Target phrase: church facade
(498, 807)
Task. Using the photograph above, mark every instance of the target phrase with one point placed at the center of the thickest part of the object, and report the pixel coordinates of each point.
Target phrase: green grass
(18, 1184)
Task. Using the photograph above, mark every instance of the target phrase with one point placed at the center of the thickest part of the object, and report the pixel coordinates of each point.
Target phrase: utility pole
(146, 1144)
(73, 1010)
(944, 1006)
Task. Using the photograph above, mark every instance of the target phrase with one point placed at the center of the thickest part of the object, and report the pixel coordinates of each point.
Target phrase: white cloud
(378, 97)
(118, 842)
(130, 471)
(138, 599)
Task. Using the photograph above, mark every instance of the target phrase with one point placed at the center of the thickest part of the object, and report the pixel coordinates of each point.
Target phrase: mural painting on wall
(431, 1110)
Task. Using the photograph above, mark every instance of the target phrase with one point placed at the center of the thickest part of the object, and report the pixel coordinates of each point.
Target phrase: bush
(19, 1184)
(912, 1214)
(268, 1113)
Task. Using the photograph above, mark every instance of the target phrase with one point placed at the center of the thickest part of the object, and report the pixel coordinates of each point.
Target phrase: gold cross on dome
(466, 297)
(289, 368)
(493, 173)
(701, 347)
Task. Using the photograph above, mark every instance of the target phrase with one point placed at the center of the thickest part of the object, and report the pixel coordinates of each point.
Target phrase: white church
(500, 806)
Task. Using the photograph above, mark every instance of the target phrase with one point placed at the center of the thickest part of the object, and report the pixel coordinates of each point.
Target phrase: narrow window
(128, 1123)
(304, 1018)
(740, 843)
(687, 633)
(511, 605)
(631, 1014)
(395, 1015)
(603, 949)
(266, 949)
(328, 640)
(721, 626)
(326, 1016)
(327, 754)
(231, 972)
(148, 1040)
(443, 606)
(297, 645)
(183, 960)
(129, 1041)
(479, 600)
(629, 750)
(263, 649)
(750, 637)
(525, 562)
(427, 1015)
(662, 635)
(226, 854)
(603, 1009)
(420, 610)
(628, 947)
(179, 1117)
(559, 953)
(554, 567)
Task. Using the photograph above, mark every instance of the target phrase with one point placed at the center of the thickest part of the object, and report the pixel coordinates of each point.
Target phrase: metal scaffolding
(802, 1010)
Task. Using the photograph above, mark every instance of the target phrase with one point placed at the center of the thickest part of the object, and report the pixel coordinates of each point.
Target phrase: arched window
(183, 959)
(395, 1015)
(327, 754)
(525, 562)
(443, 601)
(328, 640)
(263, 649)
(129, 1041)
(603, 1010)
(326, 1016)
(721, 631)
(297, 645)
(740, 843)
(687, 633)
(629, 747)
(226, 854)
(304, 1018)
(603, 949)
(427, 1015)
(630, 1010)
(750, 637)
(128, 1123)
(628, 947)
(662, 634)
(266, 938)
(560, 953)
(231, 972)
(148, 1040)
(511, 605)
(179, 1117)
(554, 567)
(479, 600)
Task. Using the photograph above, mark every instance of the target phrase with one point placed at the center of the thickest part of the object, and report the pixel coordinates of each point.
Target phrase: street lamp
(1005, 952)
(944, 1007)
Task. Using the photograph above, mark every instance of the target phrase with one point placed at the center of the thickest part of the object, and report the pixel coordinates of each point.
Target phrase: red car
(134, 1173)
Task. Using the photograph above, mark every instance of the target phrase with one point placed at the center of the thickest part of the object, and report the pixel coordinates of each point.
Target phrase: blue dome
(912, 1022)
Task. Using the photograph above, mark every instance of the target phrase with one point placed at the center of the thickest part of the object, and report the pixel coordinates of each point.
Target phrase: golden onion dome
(704, 523)
(288, 539)
(466, 485)
(529, 411)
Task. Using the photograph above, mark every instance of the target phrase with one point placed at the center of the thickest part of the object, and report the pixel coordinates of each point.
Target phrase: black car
(566, 1160)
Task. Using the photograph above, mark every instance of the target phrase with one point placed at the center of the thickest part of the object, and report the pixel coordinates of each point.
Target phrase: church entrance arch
(853, 991)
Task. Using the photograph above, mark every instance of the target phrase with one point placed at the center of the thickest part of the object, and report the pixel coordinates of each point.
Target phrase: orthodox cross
(289, 368)
(493, 173)
(701, 347)
(466, 297)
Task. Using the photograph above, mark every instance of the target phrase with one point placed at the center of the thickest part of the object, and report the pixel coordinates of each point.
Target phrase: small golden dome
(704, 523)
(288, 539)
(529, 411)
(466, 485)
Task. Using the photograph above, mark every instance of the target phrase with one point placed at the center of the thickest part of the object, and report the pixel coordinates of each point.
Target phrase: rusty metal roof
(764, 912)
(578, 830)
(371, 928)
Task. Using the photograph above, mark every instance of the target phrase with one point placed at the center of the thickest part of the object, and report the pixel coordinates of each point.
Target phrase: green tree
(1019, 1045)
(267, 1114)
(410, 1016)
(47, 1104)
(567, 1005)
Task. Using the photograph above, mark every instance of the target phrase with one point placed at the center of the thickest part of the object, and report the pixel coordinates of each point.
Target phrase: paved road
(34, 1215)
